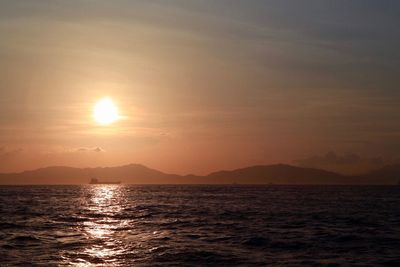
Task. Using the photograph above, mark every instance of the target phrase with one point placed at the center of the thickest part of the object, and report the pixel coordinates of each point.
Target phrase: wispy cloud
(6, 153)
(90, 149)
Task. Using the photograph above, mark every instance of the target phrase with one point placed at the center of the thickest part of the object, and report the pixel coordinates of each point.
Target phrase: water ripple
(120, 225)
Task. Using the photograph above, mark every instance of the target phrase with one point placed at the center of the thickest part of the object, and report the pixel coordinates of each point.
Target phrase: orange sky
(200, 85)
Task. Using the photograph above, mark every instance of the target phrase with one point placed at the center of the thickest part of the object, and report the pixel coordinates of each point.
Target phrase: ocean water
(127, 225)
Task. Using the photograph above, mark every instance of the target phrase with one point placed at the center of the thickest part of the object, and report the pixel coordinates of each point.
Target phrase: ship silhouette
(96, 181)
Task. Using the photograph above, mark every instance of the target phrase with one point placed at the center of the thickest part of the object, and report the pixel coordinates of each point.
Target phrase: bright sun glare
(105, 111)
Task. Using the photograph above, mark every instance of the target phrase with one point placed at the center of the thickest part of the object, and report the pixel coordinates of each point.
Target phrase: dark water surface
(123, 225)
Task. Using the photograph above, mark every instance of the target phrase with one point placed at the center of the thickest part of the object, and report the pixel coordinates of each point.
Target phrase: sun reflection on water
(106, 198)
(103, 205)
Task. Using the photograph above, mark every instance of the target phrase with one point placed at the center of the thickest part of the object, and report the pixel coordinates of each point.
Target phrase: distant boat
(96, 181)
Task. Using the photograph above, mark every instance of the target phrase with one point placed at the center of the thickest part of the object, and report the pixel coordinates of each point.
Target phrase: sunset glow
(199, 86)
(199, 133)
(105, 112)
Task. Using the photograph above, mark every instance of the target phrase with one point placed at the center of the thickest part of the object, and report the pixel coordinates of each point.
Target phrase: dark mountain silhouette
(279, 174)
(133, 173)
(139, 174)
(389, 174)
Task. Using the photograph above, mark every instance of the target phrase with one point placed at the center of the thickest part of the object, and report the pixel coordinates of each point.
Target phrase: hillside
(139, 174)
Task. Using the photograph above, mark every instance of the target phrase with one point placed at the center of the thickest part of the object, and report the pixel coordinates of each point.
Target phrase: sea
(199, 225)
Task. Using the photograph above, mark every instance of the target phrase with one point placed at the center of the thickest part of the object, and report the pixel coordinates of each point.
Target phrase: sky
(200, 85)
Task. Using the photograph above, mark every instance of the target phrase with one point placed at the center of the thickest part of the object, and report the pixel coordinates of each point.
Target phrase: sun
(105, 112)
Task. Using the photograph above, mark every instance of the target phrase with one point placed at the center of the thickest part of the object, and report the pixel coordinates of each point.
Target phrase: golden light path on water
(103, 204)
(112, 225)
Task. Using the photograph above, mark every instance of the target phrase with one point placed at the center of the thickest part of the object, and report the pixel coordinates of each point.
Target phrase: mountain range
(262, 174)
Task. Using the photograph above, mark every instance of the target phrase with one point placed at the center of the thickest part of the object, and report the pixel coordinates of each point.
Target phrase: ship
(96, 181)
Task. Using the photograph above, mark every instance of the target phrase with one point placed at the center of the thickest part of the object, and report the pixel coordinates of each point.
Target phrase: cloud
(6, 153)
(331, 158)
(90, 149)
(346, 163)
